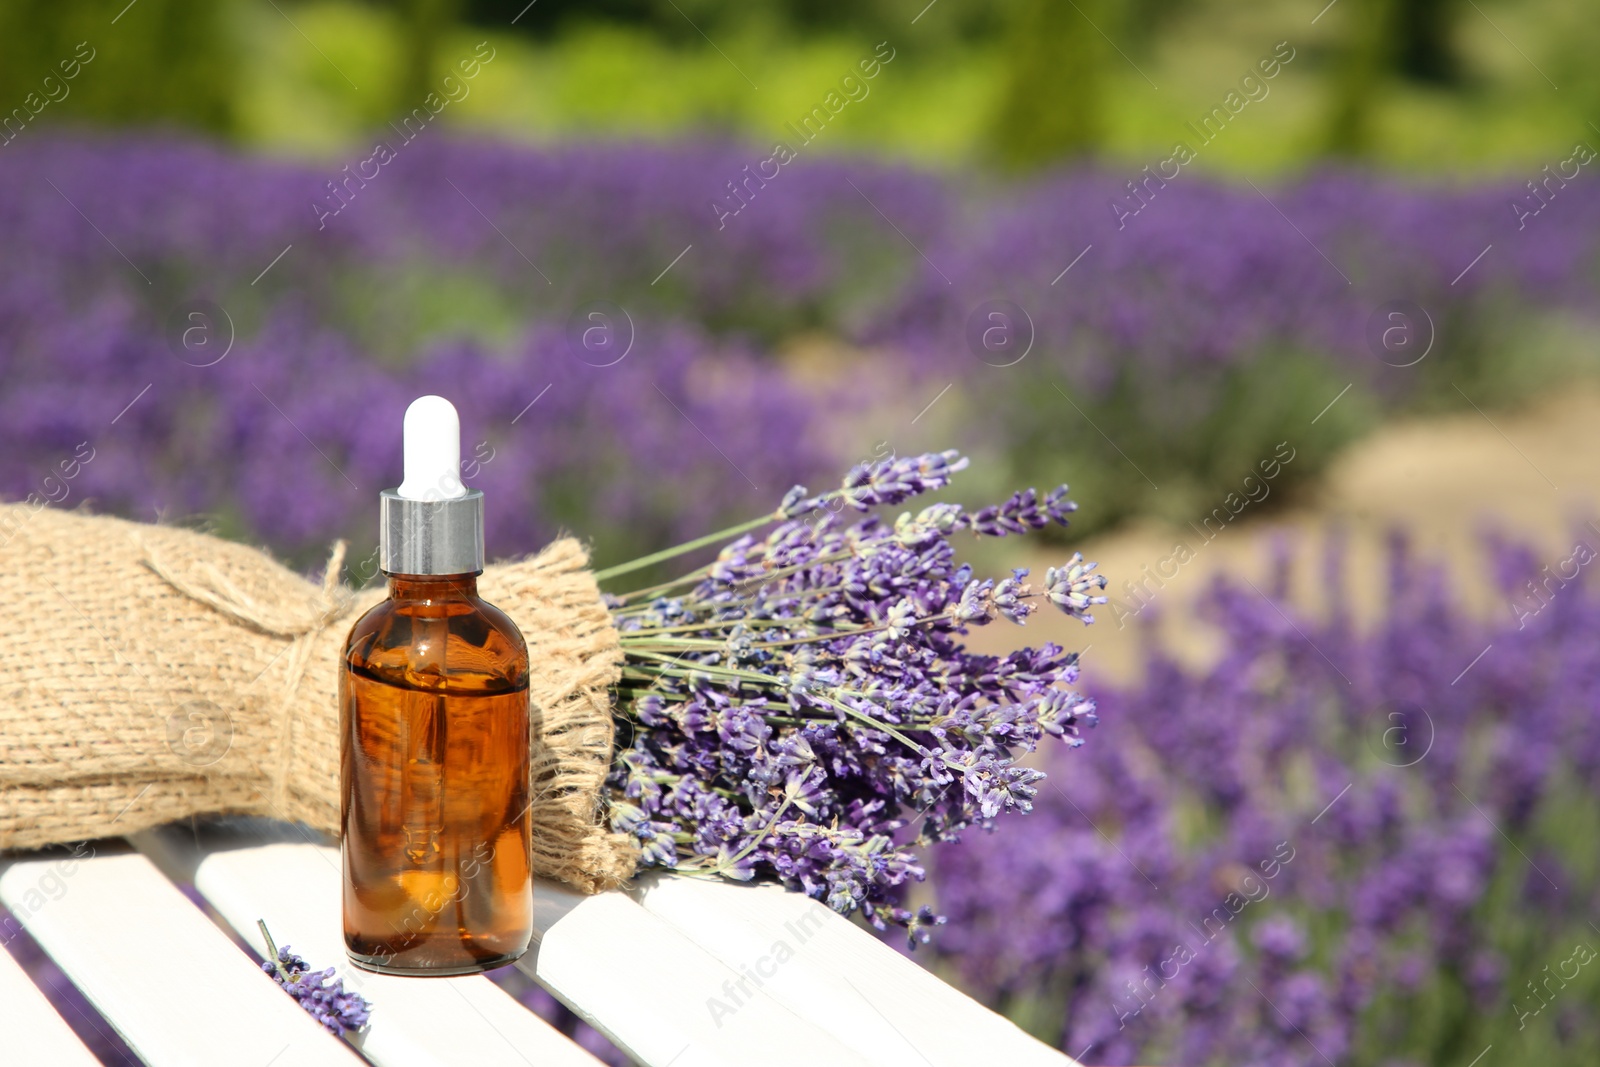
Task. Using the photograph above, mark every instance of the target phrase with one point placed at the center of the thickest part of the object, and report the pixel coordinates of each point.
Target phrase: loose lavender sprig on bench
(337, 1010)
(802, 708)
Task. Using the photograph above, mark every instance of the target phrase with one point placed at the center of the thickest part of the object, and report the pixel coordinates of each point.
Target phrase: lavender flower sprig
(867, 485)
(331, 1005)
(802, 707)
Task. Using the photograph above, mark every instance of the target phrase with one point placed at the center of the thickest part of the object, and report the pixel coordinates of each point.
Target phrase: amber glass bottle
(434, 749)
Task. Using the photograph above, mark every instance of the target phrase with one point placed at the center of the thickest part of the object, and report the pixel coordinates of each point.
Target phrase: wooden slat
(649, 987)
(672, 980)
(838, 976)
(34, 1033)
(171, 983)
(295, 887)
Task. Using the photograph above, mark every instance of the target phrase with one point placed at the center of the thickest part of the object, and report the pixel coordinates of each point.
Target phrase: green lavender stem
(688, 546)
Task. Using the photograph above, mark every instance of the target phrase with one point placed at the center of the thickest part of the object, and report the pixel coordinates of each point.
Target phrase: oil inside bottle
(435, 764)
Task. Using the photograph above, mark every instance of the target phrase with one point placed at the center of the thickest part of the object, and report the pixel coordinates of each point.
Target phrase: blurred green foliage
(1432, 85)
(1425, 41)
(1051, 107)
(1410, 83)
(169, 62)
(1177, 463)
(1357, 75)
(423, 23)
(683, 21)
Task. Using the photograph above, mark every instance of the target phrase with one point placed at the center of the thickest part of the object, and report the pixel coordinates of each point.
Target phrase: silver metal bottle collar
(442, 536)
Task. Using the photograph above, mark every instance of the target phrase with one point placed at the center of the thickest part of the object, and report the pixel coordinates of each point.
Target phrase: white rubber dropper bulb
(432, 451)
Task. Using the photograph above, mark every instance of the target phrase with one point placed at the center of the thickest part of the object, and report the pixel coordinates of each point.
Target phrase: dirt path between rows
(1533, 474)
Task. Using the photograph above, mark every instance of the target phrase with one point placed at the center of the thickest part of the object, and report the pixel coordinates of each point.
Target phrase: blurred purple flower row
(490, 272)
(1212, 275)
(541, 232)
(291, 437)
(1329, 847)
(1176, 351)
(173, 309)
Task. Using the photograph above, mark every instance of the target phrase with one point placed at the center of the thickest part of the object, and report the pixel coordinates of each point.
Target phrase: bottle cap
(431, 523)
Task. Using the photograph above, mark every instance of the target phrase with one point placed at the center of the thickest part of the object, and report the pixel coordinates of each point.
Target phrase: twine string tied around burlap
(301, 622)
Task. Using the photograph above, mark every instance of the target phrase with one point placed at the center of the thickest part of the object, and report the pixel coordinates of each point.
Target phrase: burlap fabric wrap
(151, 673)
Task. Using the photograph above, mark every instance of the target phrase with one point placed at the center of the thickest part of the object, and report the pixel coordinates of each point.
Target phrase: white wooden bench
(678, 972)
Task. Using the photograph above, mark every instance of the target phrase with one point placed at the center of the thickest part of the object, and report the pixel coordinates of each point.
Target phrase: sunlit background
(1299, 297)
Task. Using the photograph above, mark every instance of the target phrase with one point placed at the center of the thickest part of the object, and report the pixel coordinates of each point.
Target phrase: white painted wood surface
(645, 985)
(33, 1032)
(416, 1022)
(831, 972)
(678, 972)
(172, 984)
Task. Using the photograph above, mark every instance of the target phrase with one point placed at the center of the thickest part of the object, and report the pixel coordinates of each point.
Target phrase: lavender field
(181, 310)
(1332, 844)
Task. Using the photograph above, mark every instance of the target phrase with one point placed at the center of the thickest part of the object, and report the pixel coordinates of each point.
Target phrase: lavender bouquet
(802, 708)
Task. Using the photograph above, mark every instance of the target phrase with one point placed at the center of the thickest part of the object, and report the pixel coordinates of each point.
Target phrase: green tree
(170, 62)
(1364, 58)
(1051, 104)
(424, 23)
(1425, 41)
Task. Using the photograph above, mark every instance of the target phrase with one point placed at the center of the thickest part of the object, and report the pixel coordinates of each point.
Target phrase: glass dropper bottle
(434, 750)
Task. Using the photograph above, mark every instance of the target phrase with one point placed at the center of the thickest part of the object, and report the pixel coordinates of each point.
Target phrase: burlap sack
(151, 673)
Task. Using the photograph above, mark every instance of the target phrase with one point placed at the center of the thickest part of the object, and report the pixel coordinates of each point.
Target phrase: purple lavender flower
(1070, 587)
(321, 994)
(885, 482)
